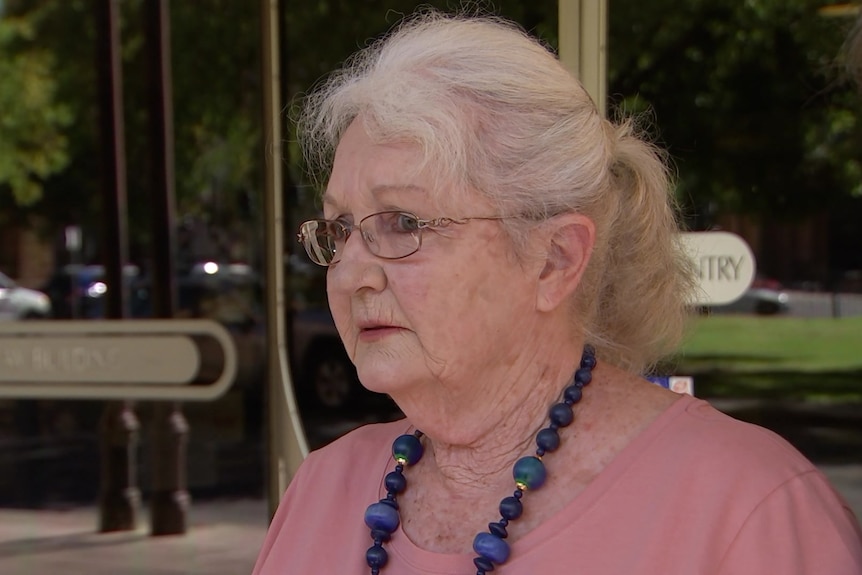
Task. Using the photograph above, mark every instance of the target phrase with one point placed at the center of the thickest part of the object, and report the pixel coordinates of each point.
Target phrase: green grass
(774, 357)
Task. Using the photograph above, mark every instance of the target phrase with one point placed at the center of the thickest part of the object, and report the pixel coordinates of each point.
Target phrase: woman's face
(441, 320)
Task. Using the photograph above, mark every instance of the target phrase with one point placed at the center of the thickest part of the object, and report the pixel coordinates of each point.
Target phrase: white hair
(494, 111)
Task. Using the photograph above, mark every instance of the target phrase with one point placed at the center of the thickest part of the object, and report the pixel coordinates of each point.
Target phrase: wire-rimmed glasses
(390, 235)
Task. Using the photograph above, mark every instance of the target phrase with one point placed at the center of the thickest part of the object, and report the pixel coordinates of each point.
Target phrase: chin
(389, 377)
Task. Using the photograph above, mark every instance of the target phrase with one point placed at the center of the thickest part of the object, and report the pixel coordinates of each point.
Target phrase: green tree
(33, 145)
(748, 97)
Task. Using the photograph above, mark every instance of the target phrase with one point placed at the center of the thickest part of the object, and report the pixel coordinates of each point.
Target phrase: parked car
(324, 377)
(764, 297)
(76, 290)
(17, 302)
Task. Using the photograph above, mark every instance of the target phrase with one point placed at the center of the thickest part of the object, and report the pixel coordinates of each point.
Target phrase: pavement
(223, 538)
(224, 535)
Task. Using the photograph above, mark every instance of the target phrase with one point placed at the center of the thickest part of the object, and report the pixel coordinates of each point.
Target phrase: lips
(373, 326)
(375, 329)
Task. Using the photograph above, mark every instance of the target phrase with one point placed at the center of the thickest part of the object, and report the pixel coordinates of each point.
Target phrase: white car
(17, 302)
(757, 300)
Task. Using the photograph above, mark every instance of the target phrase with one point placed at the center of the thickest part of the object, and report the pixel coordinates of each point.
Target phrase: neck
(472, 445)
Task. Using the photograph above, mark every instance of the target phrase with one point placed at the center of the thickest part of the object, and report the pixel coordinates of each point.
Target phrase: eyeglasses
(390, 235)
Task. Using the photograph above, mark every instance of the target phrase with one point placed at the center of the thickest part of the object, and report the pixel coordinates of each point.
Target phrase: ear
(568, 244)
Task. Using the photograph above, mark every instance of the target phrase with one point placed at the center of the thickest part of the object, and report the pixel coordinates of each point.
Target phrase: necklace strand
(529, 473)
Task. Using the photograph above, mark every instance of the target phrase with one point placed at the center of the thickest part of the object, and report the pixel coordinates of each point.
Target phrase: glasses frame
(306, 231)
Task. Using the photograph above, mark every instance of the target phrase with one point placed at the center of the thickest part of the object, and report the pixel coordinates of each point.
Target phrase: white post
(287, 446)
(583, 32)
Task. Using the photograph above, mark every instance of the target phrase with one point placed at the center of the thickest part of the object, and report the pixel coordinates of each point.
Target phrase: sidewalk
(223, 538)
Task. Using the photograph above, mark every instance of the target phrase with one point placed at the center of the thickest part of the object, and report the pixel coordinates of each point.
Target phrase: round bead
(584, 376)
(395, 482)
(483, 564)
(511, 508)
(376, 557)
(529, 473)
(573, 393)
(491, 547)
(407, 449)
(561, 414)
(548, 439)
(382, 516)
(589, 357)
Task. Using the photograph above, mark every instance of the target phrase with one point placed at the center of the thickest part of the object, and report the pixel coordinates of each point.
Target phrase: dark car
(324, 375)
(77, 290)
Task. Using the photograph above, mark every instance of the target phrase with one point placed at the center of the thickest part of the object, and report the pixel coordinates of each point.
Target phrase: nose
(364, 238)
(357, 268)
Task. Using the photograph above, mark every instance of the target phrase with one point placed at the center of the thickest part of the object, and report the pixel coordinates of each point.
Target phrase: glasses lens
(391, 235)
(322, 240)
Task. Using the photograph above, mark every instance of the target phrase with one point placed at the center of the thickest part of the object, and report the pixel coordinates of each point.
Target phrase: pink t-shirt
(696, 493)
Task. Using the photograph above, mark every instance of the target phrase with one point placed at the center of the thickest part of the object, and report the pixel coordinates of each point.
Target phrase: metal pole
(119, 498)
(170, 499)
(286, 439)
(583, 31)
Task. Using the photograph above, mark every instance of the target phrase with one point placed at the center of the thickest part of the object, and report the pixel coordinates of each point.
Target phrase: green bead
(407, 449)
(529, 473)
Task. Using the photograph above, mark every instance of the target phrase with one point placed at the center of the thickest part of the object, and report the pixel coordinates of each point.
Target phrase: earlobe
(568, 245)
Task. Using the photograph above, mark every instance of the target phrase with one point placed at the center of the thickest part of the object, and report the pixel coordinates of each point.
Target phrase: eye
(405, 223)
(337, 229)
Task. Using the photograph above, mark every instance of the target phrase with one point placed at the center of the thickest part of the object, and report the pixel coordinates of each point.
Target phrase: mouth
(372, 329)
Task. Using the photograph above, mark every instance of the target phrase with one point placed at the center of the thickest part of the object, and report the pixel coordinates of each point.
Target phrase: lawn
(774, 357)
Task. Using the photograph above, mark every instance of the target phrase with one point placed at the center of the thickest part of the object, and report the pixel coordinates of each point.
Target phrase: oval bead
(407, 449)
(382, 516)
(395, 482)
(483, 564)
(529, 472)
(376, 557)
(548, 439)
(511, 508)
(561, 414)
(498, 529)
(491, 547)
(380, 535)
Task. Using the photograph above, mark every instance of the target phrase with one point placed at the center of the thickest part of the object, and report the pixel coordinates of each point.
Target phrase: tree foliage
(33, 145)
(748, 97)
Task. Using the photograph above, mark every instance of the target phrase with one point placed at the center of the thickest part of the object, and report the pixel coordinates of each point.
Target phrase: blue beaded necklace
(529, 473)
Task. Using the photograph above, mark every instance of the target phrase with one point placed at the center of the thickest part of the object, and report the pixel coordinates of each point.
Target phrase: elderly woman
(502, 261)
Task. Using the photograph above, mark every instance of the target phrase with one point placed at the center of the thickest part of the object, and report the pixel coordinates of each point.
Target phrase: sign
(723, 263)
(190, 360)
(677, 383)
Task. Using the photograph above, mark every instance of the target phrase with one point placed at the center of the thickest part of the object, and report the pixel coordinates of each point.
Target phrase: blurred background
(751, 99)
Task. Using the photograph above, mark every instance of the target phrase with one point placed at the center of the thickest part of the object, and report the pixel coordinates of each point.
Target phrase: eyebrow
(379, 190)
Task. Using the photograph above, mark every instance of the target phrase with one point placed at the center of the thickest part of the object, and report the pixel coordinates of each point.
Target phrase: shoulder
(743, 467)
(368, 441)
(697, 454)
(718, 442)
(746, 491)
(334, 482)
(368, 447)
